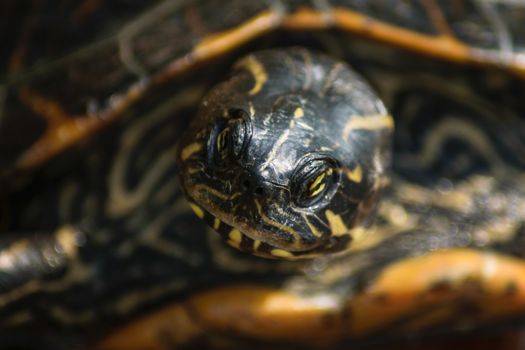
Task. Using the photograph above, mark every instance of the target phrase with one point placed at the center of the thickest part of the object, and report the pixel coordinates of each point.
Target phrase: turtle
(281, 173)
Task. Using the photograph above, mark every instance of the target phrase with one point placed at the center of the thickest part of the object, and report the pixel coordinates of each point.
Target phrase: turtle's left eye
(231, 137)
(314, 182)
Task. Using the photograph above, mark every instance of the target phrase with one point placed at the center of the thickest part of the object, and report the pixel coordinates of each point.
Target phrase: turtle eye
(239, 136)
(232, 137)
(222, 143)
(314, 182)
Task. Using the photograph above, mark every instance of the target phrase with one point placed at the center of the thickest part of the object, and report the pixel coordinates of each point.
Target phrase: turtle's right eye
(231, 138)
(222, 143)
(240, 135)
(219, 145)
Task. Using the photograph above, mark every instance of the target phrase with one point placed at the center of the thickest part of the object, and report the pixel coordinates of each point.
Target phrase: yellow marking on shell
(336, 223)
(197, 210)
(71, 317)
(292, 123)
(281, 253)
(234, 195)
(460, 200)
(299, 113)
(124, 197)
(19, 318)
(190, 150)
(276, 224)
(165, 193)
(256, 244)
(451, 128)
(370, 122)
(357, 233)
(257, 71)
(151, 233)
(397, 215)
(216, 224)
(355, 175)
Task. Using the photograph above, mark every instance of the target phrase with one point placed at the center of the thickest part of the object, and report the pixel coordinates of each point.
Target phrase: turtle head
(286, 158)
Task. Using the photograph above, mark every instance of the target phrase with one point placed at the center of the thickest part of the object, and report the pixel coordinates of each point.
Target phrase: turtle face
(269, 169)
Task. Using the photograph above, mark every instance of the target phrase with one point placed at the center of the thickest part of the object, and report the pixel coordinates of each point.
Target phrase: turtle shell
(102, 234)
(110, 75)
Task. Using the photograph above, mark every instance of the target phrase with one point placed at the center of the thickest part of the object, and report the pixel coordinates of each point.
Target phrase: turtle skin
(102, 233)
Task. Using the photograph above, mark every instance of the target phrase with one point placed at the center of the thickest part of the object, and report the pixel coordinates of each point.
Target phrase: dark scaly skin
(48, 307)
(312, 157)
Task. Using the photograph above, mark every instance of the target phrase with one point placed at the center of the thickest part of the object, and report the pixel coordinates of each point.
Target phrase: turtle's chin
(240, 234)
(249, 225)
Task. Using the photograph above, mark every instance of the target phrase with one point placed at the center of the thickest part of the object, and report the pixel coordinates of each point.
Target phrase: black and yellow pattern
(310, 168)
(102, 233)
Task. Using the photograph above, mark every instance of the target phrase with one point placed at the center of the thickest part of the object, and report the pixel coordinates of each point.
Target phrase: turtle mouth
(238, 233)
(245, 225)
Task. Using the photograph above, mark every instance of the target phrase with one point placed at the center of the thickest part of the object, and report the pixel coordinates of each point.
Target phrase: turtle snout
(251, 185)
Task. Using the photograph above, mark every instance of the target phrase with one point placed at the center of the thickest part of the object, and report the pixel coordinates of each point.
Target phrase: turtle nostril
(251, 186)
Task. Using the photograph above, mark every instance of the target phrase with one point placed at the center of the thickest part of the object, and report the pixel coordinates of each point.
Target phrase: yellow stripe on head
(257, 71)
(280, 253)
(337, 226)
(197, 210)
(355, 175)
(235, 236)
(216, 224)
(190, 150)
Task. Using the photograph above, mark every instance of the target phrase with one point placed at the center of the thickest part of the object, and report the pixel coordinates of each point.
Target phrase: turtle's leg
(32, 264)
(28, 261)
(408, 297)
